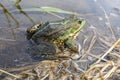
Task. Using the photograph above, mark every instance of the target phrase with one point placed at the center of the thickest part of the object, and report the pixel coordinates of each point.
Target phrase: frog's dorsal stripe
(52, 23)
(81, 26)
(73, 34)
(63, 23)
(64, 28)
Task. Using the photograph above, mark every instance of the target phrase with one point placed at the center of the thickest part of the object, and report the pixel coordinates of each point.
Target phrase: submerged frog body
(56, 34)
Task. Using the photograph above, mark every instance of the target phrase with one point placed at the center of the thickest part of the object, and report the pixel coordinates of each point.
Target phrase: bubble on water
(118, 28)
(107, 23)
(90, 58)
(100, 18)
(95, 0)
(92, 27)
(113, 14)
(16, 60)
(4, 39)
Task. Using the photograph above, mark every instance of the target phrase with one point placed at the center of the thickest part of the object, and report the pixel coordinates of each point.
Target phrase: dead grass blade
(15, 76)
(110, 49)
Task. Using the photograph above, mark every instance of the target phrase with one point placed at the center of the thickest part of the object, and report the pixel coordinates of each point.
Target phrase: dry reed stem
(97, 57)
(105, 42)
(22, 68)
(92, 42)
(45, 77)
(85, 40)
(15, 76)
(110, 49)
(105, 67)
(28, 73)
(91, 45)
(108, 21)
(110, 72)
(101, 72)
(115, 54)
(77, 67)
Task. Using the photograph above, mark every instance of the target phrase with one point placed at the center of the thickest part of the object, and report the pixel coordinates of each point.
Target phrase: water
(101, 15)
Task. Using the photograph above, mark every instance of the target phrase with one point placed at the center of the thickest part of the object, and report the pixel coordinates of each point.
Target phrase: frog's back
(55, 27)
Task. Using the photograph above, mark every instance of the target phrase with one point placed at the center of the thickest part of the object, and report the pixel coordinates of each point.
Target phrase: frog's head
(32, 30)
(71, 33)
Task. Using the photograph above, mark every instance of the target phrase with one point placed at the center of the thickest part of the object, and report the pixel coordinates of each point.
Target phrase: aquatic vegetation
(17, 5)
(48, 9)
(7, 14)
(16, 1)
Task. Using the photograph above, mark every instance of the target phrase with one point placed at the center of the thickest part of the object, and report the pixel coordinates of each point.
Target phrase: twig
(108, 20)
(91, 45)
(22, 68)
(9, 74)
(45, 77)
(97, 57)
(110, 72)
(109, 50)
(105, 42)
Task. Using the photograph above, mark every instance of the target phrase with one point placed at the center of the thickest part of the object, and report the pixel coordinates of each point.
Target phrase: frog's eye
(37, 26)
(79, 22)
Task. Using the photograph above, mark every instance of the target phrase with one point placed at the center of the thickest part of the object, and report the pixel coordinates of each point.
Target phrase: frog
(56, 36)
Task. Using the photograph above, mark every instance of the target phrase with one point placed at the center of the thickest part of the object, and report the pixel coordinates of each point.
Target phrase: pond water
(103, 15)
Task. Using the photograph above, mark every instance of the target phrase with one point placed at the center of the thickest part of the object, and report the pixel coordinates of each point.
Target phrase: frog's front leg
(71, 45)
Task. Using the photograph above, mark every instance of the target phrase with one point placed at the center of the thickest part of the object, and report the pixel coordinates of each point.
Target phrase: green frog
(52, 37)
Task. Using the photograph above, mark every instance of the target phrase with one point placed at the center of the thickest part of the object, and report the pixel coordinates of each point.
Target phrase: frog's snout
(33, 29)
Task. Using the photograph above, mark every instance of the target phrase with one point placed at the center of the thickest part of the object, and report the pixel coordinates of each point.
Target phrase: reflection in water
(16, 1)
(7, 14)
(21, 11)
(108, 23)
